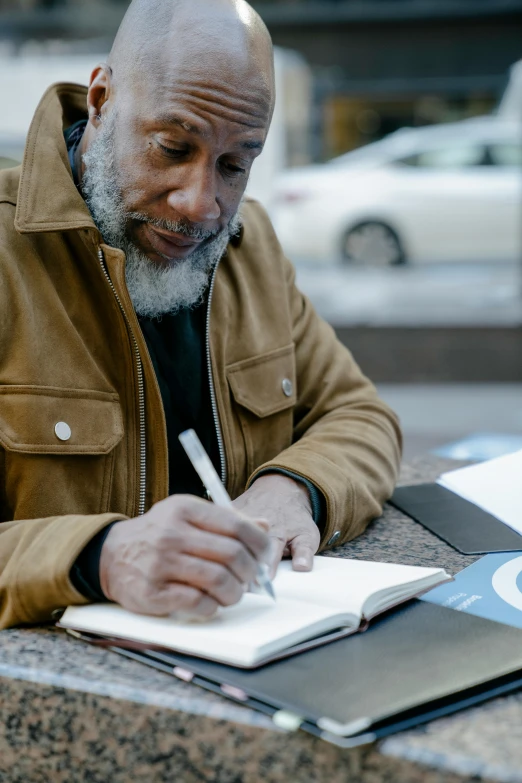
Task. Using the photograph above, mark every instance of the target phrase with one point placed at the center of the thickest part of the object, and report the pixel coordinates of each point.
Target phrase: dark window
(453, 156)
(506, 154)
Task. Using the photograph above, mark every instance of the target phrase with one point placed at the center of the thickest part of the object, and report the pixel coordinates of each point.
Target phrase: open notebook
(334, 599)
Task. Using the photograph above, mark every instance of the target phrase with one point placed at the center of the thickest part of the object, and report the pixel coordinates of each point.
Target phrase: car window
(450, 157)
(506, 154)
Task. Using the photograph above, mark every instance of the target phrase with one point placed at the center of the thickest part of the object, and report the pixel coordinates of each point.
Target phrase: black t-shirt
(177, 349)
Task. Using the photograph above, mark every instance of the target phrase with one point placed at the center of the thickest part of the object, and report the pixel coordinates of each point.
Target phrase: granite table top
(70, 712)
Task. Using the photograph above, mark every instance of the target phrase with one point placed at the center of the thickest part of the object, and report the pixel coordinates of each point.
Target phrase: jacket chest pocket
(59, 450)
(264, 390)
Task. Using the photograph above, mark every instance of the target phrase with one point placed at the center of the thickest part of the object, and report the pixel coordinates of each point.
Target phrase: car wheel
(373, 244)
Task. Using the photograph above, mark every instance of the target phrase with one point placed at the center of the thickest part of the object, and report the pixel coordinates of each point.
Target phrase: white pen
(207, 473)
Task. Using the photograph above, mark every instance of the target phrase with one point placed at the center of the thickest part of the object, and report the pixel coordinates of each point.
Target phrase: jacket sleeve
(36, 557)
(347, 441)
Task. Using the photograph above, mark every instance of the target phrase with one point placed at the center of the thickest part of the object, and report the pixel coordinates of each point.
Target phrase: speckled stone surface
(72, 713)
(395, 538)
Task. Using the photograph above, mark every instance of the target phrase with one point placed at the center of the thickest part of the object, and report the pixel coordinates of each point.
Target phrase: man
(139, 297)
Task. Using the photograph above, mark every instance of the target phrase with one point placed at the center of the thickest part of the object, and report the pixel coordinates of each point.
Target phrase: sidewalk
(433, 415)
(452, 294)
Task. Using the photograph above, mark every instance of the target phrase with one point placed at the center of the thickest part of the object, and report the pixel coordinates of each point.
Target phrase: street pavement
(469, 294)
(437, 414)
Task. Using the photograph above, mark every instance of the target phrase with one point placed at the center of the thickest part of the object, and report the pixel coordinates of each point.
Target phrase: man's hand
(185, 555)
(285, 504)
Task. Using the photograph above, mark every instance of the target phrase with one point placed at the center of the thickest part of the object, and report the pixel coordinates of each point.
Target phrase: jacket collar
(47, 196)
(48, 199)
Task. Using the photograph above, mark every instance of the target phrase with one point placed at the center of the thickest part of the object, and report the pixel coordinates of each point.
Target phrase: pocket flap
(265, 384)
(89, 422)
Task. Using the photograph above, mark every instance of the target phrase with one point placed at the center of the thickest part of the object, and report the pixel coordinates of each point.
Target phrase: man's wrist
(317, 501)
(279, 482)
(85, 573)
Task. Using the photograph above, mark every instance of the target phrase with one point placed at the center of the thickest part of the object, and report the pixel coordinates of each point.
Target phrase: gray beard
(154, 289)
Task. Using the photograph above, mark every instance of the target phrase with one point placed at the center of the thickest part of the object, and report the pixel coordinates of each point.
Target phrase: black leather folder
(411, 665)
(462, 524)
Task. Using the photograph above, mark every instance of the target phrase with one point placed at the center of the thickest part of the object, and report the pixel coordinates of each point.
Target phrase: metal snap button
(334, 538)
(288, 387)
(62, 430)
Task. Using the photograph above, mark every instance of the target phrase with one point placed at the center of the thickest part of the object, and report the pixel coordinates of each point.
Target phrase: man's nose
(195, 199)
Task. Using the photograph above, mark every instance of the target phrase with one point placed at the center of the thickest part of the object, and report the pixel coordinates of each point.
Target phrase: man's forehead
(191, 101)
(169, 119)
(235, 71)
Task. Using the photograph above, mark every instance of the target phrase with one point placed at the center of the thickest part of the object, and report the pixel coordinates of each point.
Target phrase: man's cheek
(136, 176)
(137, 192)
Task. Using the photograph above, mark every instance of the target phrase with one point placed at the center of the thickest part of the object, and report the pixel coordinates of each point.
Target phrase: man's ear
(99, 93)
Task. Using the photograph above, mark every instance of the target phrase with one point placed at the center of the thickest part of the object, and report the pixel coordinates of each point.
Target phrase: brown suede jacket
(285, 392)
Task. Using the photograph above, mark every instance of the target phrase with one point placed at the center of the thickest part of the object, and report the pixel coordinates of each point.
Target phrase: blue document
(490, 588)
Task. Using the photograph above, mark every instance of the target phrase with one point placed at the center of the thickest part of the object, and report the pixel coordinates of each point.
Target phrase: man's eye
(172, 152)
(233, 169)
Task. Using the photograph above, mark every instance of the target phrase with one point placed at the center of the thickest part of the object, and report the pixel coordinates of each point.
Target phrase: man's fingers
(189, 601)
(302, 549)
(211, 578)
(170, 598)
(277, 548)
(224, 522)
(220, 549)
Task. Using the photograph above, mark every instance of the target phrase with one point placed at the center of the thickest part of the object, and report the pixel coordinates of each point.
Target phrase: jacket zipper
(215, 413)
(141, 393)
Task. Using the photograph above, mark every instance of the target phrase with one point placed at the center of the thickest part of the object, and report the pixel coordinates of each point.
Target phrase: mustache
(176, 226)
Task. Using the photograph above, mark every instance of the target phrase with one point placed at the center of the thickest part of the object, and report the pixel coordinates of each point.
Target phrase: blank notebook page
(347, 584)
(495, 486)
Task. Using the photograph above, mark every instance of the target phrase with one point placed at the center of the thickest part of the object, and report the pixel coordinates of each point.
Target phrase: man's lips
(170, 244)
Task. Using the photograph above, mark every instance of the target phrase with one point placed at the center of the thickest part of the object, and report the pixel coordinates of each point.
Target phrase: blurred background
(393, 175)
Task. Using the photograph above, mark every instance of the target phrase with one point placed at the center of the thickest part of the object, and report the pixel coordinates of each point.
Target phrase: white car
(11, 149)
(449, 192)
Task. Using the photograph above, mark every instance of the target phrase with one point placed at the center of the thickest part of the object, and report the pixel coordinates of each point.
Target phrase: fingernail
(301, 563)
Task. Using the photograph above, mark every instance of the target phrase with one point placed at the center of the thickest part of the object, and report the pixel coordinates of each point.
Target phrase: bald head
(168, 38)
